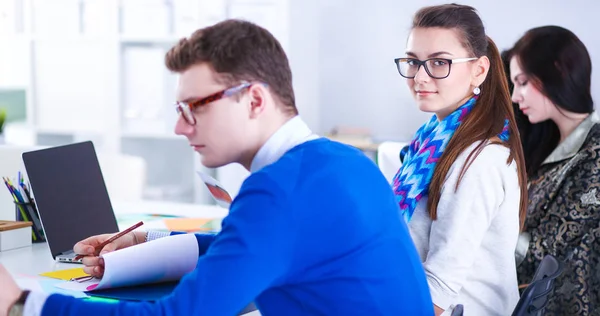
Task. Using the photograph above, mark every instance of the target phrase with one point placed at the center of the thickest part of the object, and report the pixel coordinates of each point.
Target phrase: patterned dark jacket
(564, 220)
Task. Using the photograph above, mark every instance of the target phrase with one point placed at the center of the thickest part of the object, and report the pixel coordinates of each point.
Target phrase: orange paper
(186, 224)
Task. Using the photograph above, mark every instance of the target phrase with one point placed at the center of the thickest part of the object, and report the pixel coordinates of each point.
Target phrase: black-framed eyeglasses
(436, 68)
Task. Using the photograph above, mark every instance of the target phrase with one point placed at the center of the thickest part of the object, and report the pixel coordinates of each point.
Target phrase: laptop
(70, 195)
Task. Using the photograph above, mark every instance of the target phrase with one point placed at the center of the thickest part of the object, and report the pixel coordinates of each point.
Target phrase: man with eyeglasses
(315, 228)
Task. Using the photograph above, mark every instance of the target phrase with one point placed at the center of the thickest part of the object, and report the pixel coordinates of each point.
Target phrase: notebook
(161, 260)
(70, 195)
(137, 273)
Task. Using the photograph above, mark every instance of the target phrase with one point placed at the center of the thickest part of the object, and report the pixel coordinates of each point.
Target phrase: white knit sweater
(468, 252)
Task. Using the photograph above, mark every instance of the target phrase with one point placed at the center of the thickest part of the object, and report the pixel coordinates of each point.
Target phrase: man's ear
(480, 70)
(257, 94)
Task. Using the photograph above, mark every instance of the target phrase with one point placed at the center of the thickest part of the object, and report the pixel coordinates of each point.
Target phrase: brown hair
(238, 51)
(558, 64)
(494, 105)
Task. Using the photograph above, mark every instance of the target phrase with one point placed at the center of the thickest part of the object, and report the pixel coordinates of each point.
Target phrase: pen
(111, 239)
(82, 278)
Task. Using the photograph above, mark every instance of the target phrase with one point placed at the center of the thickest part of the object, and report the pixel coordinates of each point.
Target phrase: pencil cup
(27, 212)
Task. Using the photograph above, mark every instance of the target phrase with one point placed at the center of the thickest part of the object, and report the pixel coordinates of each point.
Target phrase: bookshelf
(93, 69)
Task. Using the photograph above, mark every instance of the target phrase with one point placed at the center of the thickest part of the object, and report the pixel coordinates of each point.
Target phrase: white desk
(37, 259)
(31, 260)
(169, 208)
(165, 208)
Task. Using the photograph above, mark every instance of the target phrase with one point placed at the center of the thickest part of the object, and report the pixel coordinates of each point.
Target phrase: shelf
(141, 135)
(85, 64)
(124, 39)
(75, 37)
(13, 87)
(57, 131)
(149, 40)
(165, 136)
(16, 37)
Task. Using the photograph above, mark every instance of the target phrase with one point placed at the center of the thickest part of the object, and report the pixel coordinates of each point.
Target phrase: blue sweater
(316, 233)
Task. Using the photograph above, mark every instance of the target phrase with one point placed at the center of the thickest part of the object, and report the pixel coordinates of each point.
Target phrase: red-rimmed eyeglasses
(186, 109)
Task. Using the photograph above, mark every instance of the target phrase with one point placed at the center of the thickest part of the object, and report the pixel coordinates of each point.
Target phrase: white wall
(303, 54)
(341, 53)
(359, 39)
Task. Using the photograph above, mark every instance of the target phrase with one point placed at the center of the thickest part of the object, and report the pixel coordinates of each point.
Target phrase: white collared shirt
(572, 143)
(291, 134)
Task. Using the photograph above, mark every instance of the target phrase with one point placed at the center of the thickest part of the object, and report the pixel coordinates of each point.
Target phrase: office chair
(534, 299)
(537, 294)
(388, 158)
(403, 152)
(458, 310)
(125, 175)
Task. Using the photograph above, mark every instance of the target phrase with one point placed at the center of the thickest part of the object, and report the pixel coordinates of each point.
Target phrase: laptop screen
(70, 194)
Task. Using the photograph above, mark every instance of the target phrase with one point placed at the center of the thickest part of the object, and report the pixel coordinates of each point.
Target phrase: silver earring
(476, 91)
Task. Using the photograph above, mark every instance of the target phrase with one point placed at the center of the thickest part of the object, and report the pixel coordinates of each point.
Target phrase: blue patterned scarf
(411, 182)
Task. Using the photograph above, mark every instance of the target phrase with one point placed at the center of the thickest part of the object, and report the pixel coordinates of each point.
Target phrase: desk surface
(37, 258)
(32, 261)
(169, 208)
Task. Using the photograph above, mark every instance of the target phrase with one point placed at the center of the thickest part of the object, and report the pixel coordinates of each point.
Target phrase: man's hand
(9, 291)
(93, 264)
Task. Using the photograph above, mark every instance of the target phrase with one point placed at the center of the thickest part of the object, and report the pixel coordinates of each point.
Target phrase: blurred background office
(73, 70)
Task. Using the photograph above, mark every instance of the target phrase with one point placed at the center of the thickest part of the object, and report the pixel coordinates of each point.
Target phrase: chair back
(388, 158)
(458, 310)
(534, 299)
(125, 175)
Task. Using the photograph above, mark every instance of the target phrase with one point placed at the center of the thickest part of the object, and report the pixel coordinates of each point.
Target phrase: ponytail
(484, 123)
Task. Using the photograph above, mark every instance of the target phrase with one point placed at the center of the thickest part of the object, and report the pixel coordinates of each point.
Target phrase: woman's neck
(441, 115)
(567, 122)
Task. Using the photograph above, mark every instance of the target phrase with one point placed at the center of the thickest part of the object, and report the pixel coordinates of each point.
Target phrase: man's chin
(210, 162)
(211, 165)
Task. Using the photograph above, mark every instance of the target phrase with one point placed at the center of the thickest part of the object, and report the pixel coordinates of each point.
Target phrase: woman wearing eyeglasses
(551, 72)
(462, 185)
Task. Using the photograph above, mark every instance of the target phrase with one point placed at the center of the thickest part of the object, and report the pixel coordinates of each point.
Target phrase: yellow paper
(65, 274)
(186, 224)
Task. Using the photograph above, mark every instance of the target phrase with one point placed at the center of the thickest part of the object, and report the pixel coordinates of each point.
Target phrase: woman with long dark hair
(551, 72)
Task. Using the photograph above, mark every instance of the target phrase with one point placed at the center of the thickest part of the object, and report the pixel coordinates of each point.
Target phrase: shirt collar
(294, 132)
(571, 145)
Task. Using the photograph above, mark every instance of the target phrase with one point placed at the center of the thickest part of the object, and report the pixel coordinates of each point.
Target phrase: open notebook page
(164, 259)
